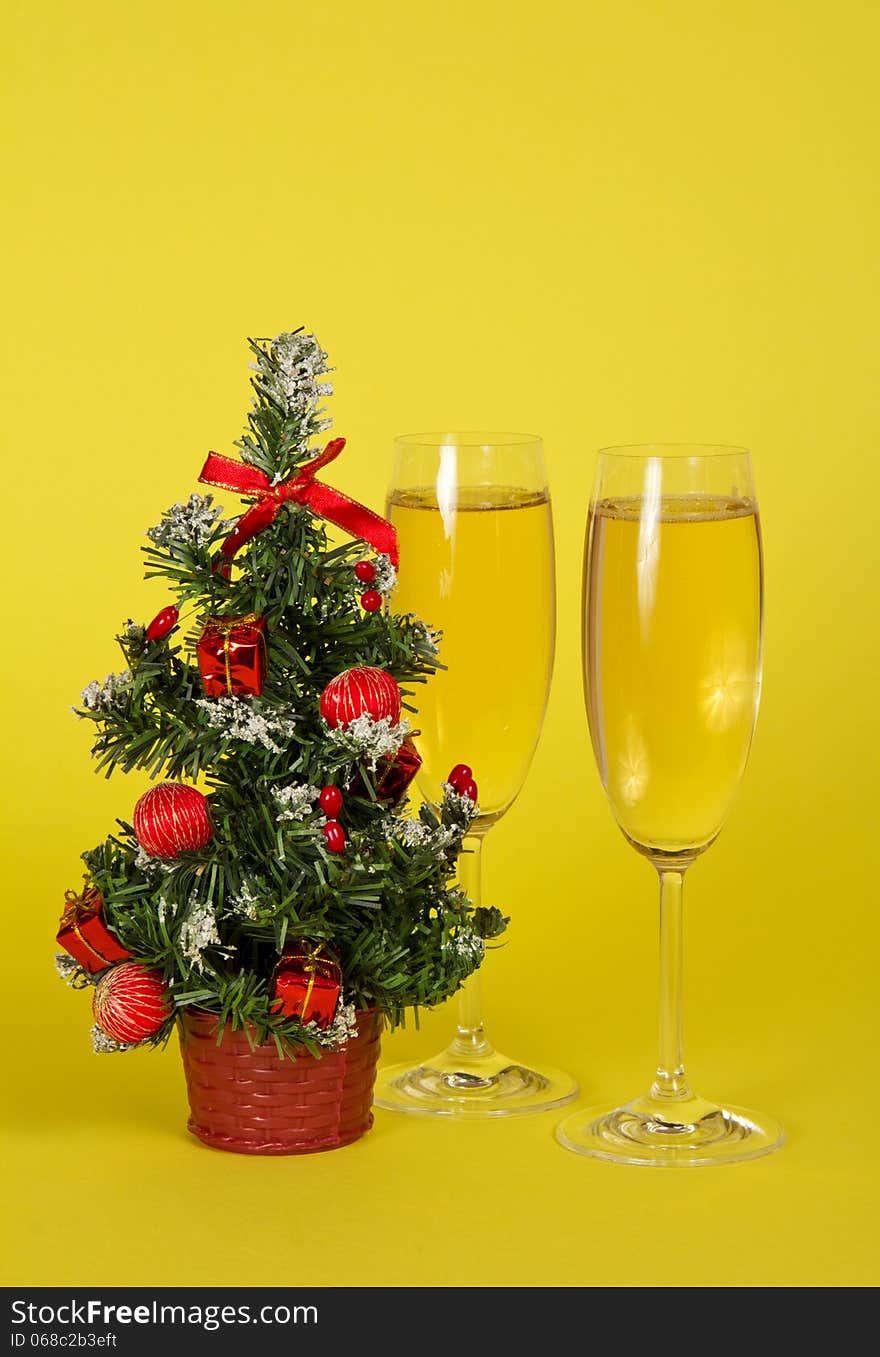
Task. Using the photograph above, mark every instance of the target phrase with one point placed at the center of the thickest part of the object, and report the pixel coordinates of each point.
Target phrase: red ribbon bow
(301, 488)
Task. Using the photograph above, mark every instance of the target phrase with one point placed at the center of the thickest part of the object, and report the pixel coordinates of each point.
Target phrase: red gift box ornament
(394, 773)
(84, 934)
(232, 656)
(307, 985)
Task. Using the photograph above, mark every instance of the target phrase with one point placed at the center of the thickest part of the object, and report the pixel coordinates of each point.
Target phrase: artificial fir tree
(275, 683)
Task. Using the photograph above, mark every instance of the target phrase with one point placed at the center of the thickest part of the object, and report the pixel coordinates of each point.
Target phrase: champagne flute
(672, 633)
(473, 518)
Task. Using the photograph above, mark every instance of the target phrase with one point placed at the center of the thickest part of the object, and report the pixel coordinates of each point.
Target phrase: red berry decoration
(334, 836)
(171, 819)
(331, 802)
(162, 623)
(371, 601)
(461, 774)
(360, 692)
(365, 571)
(131, 1002)
(469, 789)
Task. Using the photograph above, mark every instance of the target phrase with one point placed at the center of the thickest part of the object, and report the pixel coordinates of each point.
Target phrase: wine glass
(474, 525)
(672, 634)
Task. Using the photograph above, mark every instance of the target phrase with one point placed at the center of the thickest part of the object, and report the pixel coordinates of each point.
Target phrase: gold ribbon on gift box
(225, 626)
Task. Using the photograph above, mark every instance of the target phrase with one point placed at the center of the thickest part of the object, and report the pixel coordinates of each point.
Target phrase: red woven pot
(253, 1101)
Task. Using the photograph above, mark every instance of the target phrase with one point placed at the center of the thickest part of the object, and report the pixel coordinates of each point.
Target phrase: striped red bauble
(360, 692)
(131, 1002)
(171, 819)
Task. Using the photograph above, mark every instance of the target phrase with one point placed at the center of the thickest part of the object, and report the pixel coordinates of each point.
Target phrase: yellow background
(600, 222)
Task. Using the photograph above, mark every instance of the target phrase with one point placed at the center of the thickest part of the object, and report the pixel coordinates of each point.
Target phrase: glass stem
(670, 1082)
(470, 1039)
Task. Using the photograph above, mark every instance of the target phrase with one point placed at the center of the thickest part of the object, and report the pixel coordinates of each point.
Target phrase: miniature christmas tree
(273, 877)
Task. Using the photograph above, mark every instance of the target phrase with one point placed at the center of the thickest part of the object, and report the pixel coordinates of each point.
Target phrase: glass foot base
(684, 1133)
(488, 1085)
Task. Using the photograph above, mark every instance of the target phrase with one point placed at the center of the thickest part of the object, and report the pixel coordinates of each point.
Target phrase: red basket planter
(251, 1100)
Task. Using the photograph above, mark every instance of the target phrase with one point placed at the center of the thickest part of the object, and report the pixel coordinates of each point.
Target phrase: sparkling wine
(480, 569)
(672, 660)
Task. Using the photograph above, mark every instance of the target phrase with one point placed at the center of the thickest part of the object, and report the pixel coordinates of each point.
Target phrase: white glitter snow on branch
(190, 525)
(71, 972)
(198, 931)
(458, 803)
(339, 1031)
(299, 363)
(296, 800)
(102, 1044)
(245, 903)
(427, 639)
(107, 696)
(386, 575)
(415, 834)
(370, 740)
(150, 866)
(237, 719)
(465, 943)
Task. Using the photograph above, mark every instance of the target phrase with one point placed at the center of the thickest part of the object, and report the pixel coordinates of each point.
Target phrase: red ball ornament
(334, 836)
(331, 802)
(371, 601)
(360, 692)
(171, 819)
(468, 789)
(131, 1002)
(461, 773)
(365, 571)
(162, 623)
